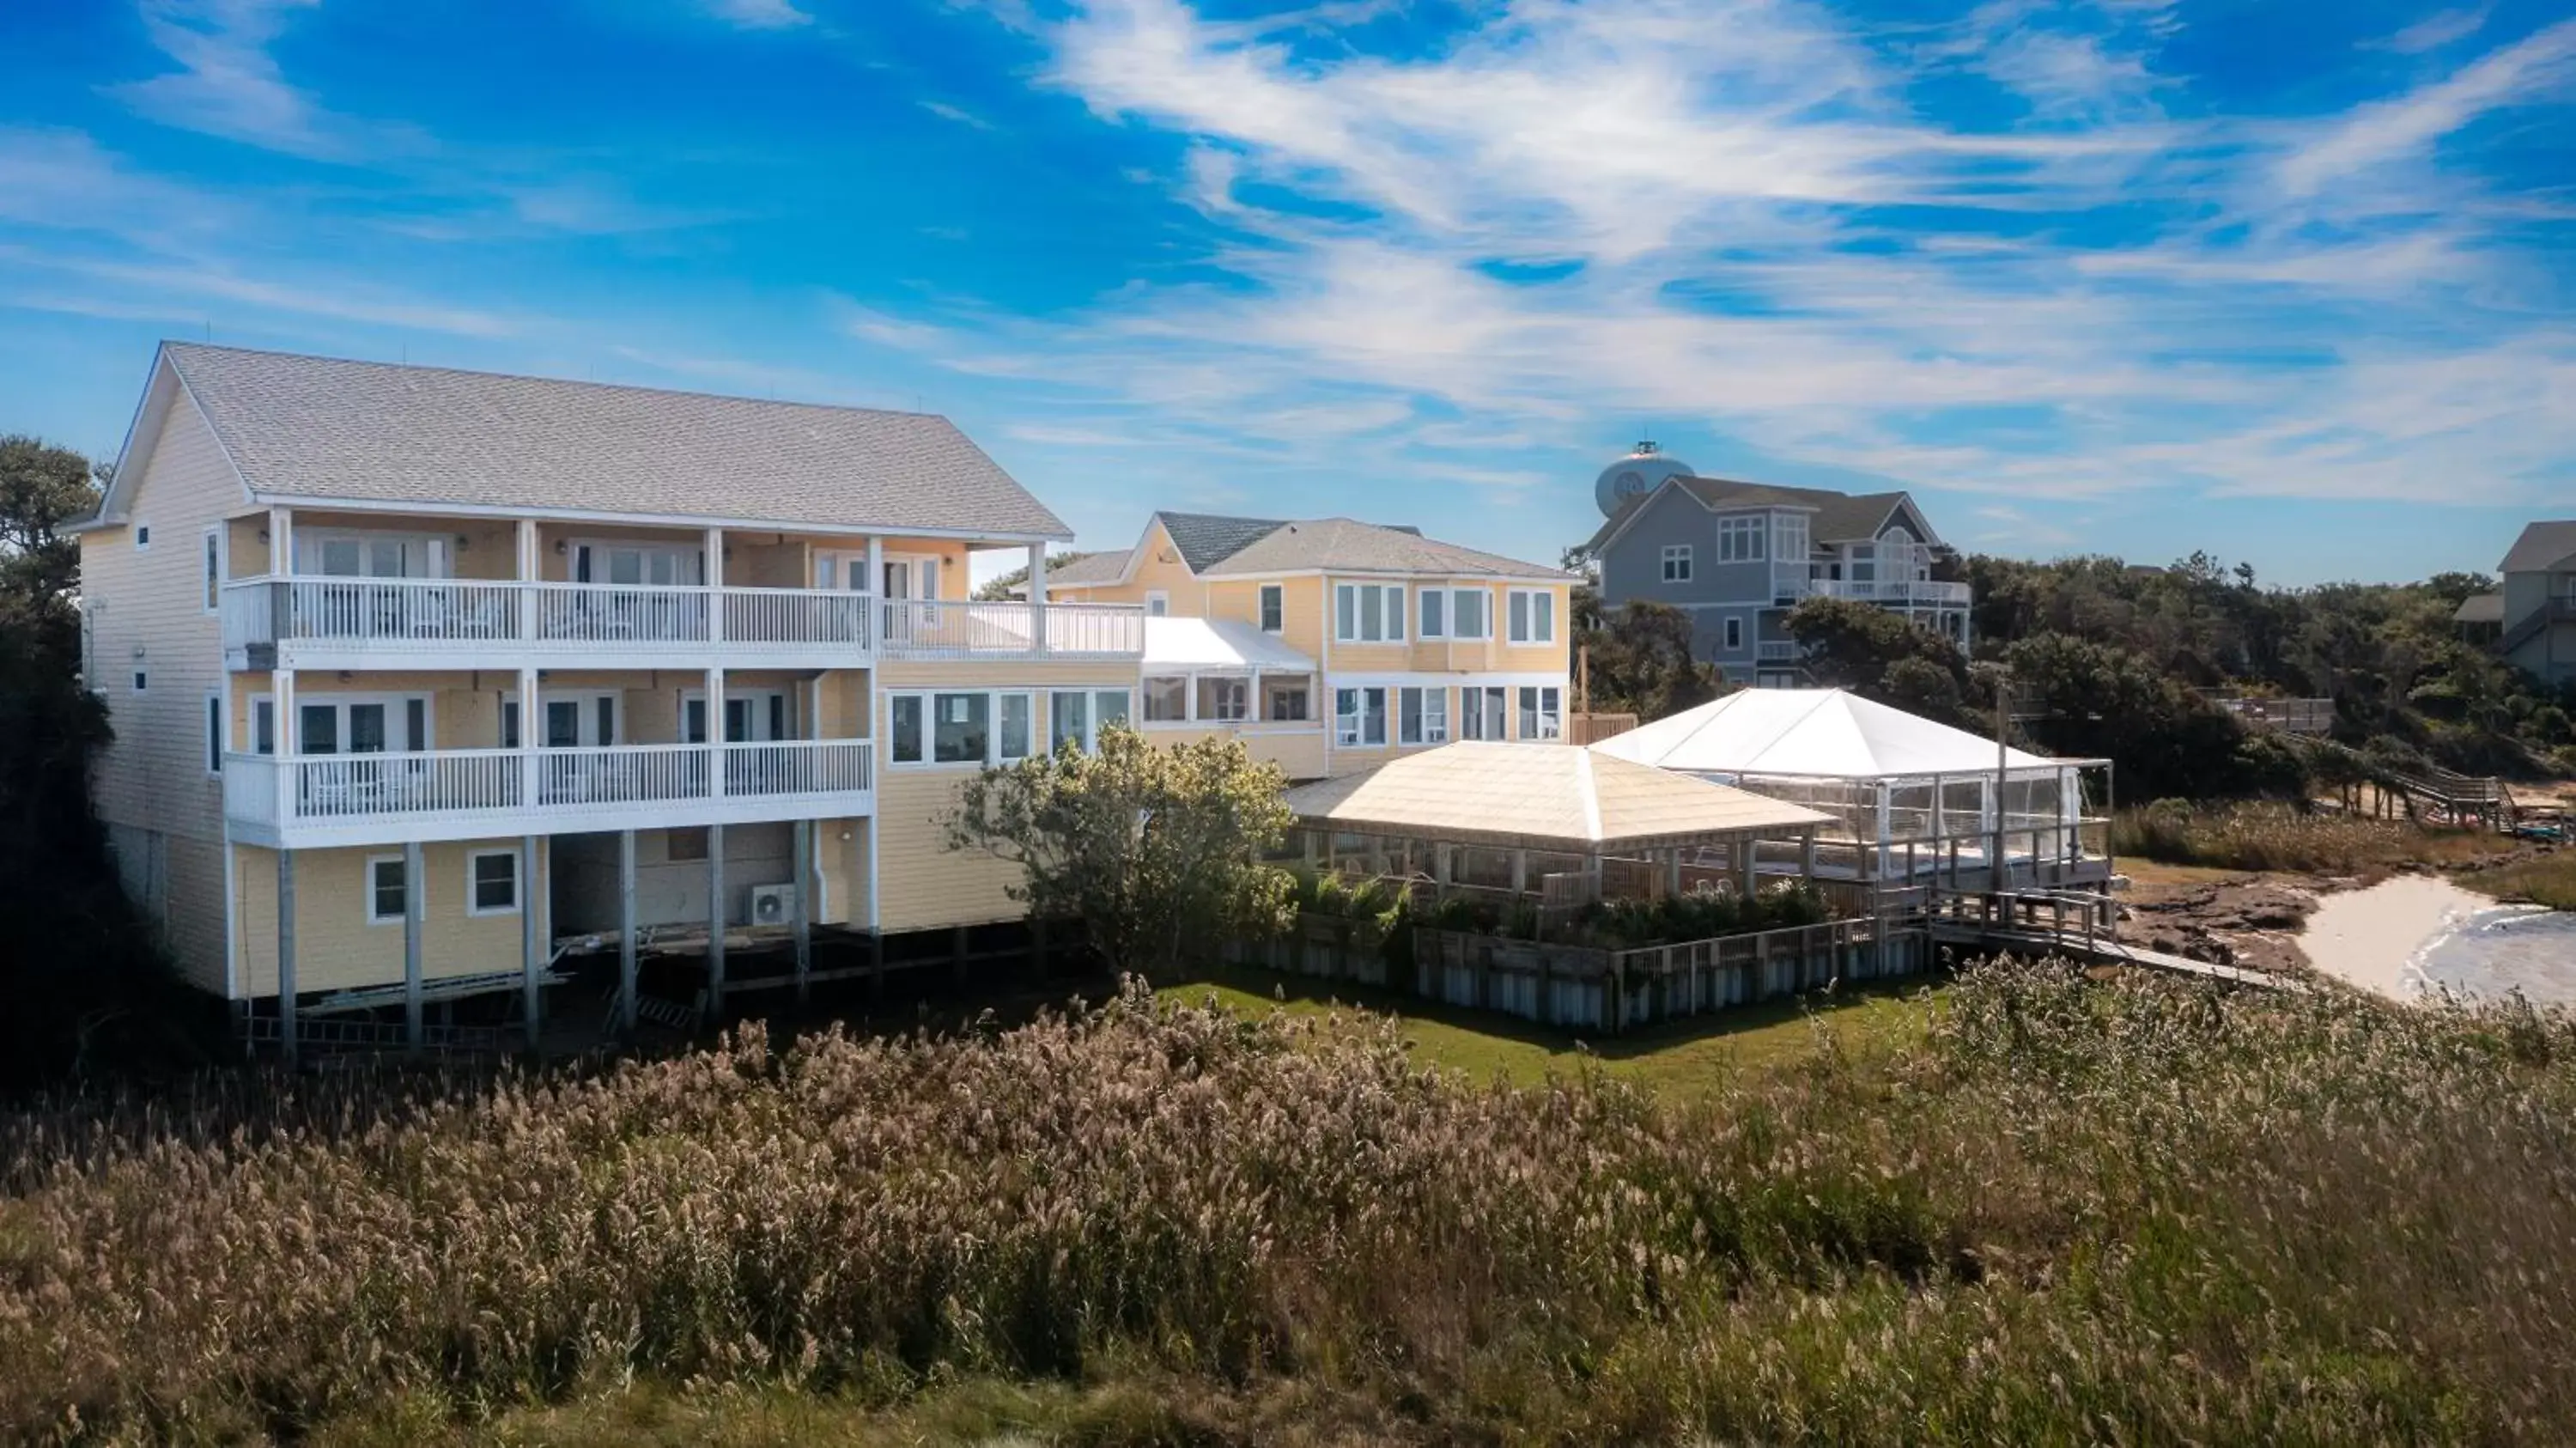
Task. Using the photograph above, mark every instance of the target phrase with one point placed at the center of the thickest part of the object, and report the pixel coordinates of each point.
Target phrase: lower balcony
(363, 799)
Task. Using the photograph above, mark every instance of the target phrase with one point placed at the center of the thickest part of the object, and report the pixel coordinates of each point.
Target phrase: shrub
(2046, 1218)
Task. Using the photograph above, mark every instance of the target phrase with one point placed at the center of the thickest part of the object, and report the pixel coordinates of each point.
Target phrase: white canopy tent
(1925, 794)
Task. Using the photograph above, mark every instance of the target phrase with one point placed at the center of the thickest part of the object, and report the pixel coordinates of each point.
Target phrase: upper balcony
(345, 623)
(314, 801)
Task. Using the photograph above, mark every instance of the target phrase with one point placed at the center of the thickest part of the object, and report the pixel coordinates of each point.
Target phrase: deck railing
(921, 628)
(1893, 590)
(265, 791)
(418, 613)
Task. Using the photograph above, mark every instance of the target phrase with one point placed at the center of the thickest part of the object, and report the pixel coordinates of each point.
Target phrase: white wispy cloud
(959, 114)
(1730, 202)
(228, 84)
(760, 14)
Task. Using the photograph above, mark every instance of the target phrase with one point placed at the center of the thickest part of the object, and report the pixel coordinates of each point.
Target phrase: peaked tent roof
(1540, 796)
(1217, 643)
(2543, 545)
(1812, 733)
(1838, 516)
(324, 428)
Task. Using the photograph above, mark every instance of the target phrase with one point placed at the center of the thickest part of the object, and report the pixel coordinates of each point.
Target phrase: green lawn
(1683, 1057)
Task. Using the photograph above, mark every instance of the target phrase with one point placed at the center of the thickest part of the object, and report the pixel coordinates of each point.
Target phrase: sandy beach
(2368, 937)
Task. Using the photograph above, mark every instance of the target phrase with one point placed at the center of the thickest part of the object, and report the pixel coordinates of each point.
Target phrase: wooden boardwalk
(2041, 940)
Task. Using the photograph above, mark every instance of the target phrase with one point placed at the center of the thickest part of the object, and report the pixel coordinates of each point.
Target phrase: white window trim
(1158, 603)
(392, 702)
(787, 709)
(1041, 725)
(1261, 607)
(439, 551)
(368, 892)
(142, 535)
(1431, 709)
(1428, 601)
(518, 887)
(1531, 615)
(1677, 553)
(1485, 611)
(1358, 737)
(1089, 743)
(1742, 539)
(1540, 712)
(572, 558)
(1734, 632)
(139, 680)
(211, 542)
(218, 710)
(1393, 600)
(250, 721)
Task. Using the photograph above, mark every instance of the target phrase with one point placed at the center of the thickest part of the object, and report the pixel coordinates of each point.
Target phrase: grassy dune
(2047, 1212)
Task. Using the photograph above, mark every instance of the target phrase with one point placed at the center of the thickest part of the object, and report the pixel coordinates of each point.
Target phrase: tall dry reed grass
(2268, 836)
(2073, 1213)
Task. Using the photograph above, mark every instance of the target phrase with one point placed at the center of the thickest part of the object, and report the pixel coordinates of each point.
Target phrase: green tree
(86, 984)
(1158, 851)
(1638, 659)
(1009, 584)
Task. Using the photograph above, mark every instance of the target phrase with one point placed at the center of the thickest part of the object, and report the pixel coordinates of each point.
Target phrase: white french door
(905, 580)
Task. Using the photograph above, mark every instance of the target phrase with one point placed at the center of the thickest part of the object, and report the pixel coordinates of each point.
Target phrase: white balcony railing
(509, 790)
(418, 614)
(920, 629)
(1918, 592)
(1775, 653)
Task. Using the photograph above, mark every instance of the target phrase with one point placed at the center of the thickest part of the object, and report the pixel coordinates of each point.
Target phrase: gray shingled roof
(1090, 568)
(2480, 608)
(1838, 516)
(1208, 539)
(324, 428)
(1342, 543)
(2542, 546)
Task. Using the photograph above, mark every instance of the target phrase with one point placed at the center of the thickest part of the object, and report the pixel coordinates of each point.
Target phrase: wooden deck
(2099, 950)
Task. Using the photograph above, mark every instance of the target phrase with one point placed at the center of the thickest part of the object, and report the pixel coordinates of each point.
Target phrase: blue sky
(2283, 279)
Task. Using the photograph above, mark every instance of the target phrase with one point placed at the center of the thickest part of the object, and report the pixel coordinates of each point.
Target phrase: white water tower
(1634, 476)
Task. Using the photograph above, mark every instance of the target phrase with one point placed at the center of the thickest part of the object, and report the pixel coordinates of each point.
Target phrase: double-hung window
(961, 728)
(1434, 623)
(985, 726)
(1359, 717)
(1533, 616)
(492, 882)
(1734, 633)
(1274, 607)
(1739, 540)
(1480, 713)
(1288, 701)
(1539, 712)
(214, 568)
(1422, 716)
(1368, 613)
(1677, 563)
(388, 889)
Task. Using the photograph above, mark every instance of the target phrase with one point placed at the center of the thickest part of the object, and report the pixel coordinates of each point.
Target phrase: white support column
(715, 732)
(626, 930)
(878, 626)
(530, 569)
(286, 956)
(715, 587)
(715, 921)
(1038, 596)
(531, 939)
(532, 717)
(415, 894)
(290, 740)
(1745, 853)
(281, 542)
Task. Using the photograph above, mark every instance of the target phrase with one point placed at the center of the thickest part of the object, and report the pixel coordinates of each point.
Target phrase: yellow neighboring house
(416, 673)
(1330, 645)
